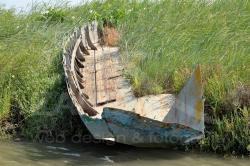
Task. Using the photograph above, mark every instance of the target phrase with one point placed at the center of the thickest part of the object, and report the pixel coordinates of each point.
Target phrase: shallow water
(17, 154)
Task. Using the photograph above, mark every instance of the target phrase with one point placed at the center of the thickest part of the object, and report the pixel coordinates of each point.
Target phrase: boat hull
(133, 129)
(107, 106)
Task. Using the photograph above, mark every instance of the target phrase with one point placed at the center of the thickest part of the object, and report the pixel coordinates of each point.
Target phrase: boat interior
(97, 78)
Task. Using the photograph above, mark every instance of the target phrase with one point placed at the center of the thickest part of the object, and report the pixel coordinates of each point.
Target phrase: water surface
(30, 154)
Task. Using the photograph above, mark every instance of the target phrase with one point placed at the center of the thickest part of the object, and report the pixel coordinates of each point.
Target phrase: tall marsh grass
(163, 41)
(31, 73)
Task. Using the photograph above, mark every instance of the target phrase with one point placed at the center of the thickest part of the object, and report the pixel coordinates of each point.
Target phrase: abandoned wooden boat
(106, 104)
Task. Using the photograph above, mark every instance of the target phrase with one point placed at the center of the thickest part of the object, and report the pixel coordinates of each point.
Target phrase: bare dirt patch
(110, 36)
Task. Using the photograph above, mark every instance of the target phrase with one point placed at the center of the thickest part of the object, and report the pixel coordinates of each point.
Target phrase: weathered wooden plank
(101, 94)
(111, 83)
(83, 48)
(78, 71)
(101, 72)
(89, 89)
(88, 73)
(80, 55)
(105, 86)
(87, 35)
(112, 94)
(79, 63)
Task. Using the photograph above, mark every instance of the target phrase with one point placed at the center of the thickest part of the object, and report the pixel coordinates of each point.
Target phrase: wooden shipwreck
(107, 106)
